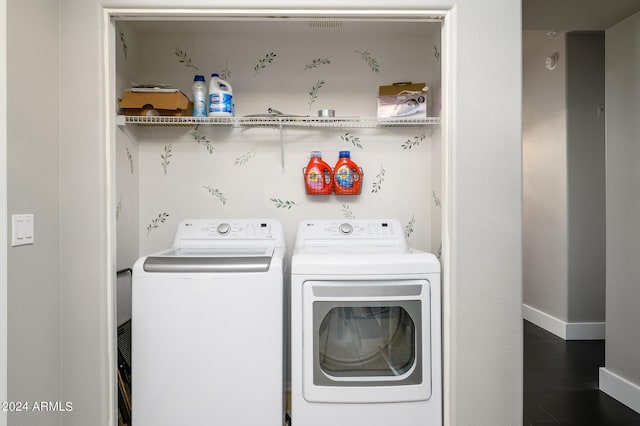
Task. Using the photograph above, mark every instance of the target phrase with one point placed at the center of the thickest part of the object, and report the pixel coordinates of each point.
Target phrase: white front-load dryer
(365, 327)
(207, 327)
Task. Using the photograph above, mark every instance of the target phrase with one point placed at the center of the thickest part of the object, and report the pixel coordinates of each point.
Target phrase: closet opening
(296, 63)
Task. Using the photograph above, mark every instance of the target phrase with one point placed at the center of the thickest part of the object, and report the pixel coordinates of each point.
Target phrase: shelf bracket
(122, 124)
(281, 146)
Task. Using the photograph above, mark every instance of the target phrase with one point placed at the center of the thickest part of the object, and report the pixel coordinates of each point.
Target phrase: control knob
(345, 229)
(223, 228)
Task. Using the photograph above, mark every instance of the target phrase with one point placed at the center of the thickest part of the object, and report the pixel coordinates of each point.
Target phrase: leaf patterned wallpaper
(165, 175)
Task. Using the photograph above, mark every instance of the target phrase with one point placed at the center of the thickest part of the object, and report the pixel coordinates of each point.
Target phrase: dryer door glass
(375, 342)
(367, 341)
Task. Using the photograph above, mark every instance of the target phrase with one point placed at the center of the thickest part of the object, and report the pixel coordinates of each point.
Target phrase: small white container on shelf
(220, 97)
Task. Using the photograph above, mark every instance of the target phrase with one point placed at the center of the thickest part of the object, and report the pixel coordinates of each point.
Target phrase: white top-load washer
(207, 327)
(365, 326)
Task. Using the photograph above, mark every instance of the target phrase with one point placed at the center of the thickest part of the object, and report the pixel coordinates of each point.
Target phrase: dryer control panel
(339, 234)
(351, 228)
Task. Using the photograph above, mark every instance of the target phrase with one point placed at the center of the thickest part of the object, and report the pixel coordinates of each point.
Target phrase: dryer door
(366, 341)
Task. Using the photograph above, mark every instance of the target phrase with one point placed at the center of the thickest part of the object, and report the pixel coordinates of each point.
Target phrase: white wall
(621, 375)
(544, 136)
(33, 181)
(87, 323)
(564, 228)
(245, 165)
(436, 154)
(586, 177)
(3, 207)
(127, 158)
(482, 204)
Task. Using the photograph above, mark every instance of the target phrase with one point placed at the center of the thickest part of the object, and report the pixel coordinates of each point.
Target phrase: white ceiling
(539, 17)
(531, 40)
(575, 15)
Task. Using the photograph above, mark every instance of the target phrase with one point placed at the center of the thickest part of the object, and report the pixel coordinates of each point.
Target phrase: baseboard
(564, 330)
(620, 388)
(544, 320)
(585, 331)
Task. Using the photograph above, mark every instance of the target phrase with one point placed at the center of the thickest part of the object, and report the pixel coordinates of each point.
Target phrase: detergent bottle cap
(316, 154)
(215, 75)
(345, 154)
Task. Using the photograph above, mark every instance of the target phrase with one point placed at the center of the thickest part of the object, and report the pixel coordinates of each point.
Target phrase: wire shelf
(279, 121)
(174, 121)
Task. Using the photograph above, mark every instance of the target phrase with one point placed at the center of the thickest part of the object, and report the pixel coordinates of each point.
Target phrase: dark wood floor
(561, 383)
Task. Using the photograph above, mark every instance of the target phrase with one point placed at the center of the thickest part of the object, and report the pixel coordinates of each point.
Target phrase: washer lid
(231, 259)
(220, 252)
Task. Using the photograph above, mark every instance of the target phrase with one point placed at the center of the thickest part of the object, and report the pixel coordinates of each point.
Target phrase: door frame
(448, 19)
(3, 207)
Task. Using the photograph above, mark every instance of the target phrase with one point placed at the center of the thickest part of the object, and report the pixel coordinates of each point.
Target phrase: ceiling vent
(325, 24)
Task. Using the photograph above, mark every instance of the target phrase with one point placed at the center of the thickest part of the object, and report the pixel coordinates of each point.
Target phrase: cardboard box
(402, 100)
(156, 103)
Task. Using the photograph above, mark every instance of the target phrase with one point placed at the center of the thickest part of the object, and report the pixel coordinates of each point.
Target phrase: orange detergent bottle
(318, 177)
(347, 178)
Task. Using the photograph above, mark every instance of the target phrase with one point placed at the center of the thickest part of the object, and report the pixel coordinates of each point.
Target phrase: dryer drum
(372, 341)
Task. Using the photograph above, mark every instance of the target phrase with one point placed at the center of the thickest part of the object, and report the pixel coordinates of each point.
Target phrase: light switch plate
(21, 229)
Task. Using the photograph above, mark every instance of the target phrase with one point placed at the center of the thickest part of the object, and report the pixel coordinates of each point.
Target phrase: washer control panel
(345, 228)
(237, 229)
(223, 228)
